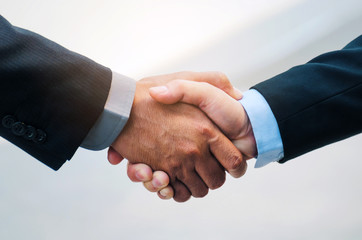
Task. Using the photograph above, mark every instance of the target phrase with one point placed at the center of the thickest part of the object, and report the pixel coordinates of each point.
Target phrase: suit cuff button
(40, 136)
(30, 133)
(18, 129)
(8, 121)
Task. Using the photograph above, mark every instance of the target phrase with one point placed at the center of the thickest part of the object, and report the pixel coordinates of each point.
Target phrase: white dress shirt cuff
(115, 115)
(265, 128)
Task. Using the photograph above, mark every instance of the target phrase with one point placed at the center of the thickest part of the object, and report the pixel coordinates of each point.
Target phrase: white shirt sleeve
(115, 115)
(265, 128)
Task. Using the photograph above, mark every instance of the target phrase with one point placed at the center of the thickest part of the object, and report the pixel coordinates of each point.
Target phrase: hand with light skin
(227, 113)
(177, 139)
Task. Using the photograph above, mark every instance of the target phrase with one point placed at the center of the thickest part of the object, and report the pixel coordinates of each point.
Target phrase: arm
(50, 89)
(317, 103)
(314, 104)
(53, 97)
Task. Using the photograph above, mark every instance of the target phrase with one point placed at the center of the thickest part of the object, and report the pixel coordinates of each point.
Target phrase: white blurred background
(316, 196)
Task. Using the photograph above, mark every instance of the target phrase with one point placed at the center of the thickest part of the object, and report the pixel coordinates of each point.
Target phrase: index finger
(228, 155)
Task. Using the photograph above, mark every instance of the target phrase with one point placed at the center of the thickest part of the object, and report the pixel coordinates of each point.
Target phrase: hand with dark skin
(178, 139)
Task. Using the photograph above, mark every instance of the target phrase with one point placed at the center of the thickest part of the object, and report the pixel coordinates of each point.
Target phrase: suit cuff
(115, 114)
(265, 128)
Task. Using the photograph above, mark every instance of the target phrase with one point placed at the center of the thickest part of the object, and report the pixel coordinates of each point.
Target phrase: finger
(217, 79)
(182, 194)
(159, 181)
(246, 147)
(139, 172)
(166, 193)
(228, 155)
(114, 157)
(211, 172)
(212, 101)
(195, 184)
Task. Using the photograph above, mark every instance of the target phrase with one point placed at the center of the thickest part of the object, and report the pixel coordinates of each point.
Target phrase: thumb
(164, 95)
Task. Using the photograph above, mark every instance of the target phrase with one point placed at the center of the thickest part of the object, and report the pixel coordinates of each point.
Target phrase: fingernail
(159, 90)
(238, 93)
(164, 192)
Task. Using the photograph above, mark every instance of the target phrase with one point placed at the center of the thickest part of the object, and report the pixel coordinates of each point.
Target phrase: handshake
(184, 131)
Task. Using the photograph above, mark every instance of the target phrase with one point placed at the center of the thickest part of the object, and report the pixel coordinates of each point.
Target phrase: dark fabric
(318, 103)
(50, 88)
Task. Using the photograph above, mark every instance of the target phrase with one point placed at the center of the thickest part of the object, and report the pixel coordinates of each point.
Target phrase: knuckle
(177, 84)
(181, 193)
(205, 130)
(174, 169)
(193, 153)
(183, 74)
(235, 162)
(182, 197)
(218, 182)
(223, 81)
(203, 84)
(202, 192)
(223, 78)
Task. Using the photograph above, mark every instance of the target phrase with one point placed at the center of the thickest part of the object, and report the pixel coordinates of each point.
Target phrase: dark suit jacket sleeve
(50, 88)
(318, 103)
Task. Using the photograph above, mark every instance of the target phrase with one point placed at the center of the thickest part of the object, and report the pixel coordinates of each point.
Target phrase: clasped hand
(178, 137)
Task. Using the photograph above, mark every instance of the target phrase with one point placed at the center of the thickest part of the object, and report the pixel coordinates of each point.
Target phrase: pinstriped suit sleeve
(47, 89)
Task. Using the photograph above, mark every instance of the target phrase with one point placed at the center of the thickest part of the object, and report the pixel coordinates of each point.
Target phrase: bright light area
(134, 37)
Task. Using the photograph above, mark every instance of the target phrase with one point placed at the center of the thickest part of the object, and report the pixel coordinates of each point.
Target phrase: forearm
(317, 103)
